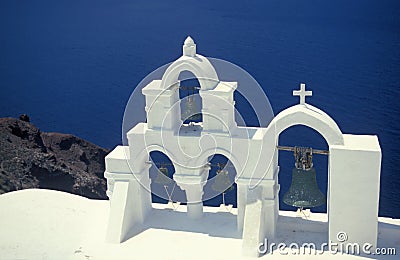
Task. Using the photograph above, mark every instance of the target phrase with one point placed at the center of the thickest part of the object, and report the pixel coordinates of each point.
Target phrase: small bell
(222, 183)
(304, 191)
(162, 176)
(191, 113)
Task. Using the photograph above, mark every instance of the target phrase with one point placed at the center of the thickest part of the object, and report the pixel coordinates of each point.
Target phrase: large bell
(190, 113)
(304, 191)
(222, 183)
(162, 176)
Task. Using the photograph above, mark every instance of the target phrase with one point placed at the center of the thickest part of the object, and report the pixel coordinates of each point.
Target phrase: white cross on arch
(302, 93)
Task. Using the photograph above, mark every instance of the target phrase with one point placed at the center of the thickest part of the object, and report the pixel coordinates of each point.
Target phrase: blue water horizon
(72, 65)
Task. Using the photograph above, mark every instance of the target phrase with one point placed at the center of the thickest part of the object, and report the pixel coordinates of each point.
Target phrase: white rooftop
(44, 224)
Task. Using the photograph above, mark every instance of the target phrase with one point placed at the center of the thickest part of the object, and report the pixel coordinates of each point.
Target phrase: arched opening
(296, 228)
(220, 187)
(191, 102)
(164, 188)
(199, 65)
(302, 136)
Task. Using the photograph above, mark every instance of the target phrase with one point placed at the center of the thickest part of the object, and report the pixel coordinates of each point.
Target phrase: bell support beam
(292, 149)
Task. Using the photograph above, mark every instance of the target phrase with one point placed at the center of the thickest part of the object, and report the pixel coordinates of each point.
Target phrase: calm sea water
(72, 65)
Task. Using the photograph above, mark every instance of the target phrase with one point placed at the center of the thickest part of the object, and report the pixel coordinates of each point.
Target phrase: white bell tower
(354, 160)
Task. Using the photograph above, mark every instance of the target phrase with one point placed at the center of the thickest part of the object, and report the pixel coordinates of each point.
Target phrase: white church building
(353, 168)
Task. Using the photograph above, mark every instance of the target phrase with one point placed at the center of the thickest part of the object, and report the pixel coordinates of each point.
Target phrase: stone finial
(189, 47)
(189, 41)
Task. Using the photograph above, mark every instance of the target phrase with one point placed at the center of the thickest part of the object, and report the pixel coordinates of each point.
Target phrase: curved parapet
(199, 65)
(234, 159)
(309, 116)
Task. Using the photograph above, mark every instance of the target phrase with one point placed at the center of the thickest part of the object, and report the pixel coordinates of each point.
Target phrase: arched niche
(313, 139)
(189, 89)
(145, 157)
(312, 117)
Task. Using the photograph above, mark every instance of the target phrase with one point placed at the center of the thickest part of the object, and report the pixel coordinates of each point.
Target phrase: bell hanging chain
(303, 158)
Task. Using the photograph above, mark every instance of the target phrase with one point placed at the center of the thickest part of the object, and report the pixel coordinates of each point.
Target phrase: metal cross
(302, 93)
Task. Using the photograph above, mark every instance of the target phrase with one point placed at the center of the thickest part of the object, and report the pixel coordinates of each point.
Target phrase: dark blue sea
(72, 65)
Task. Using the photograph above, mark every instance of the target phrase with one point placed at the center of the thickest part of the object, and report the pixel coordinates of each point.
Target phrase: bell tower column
(129, 193)
(193, 182)
(241, 202)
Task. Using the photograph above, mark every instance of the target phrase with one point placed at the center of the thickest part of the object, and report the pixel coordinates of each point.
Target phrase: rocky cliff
(30, 158)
